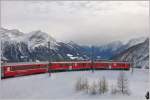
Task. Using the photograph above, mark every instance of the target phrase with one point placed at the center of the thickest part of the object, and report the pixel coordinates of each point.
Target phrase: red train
(28, 68)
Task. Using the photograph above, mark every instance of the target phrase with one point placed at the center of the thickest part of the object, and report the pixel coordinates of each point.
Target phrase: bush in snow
(78, 86)
(93, 88)
(82, 84)
(113, 89)
(122, 84)
(102, 86)
(85, 85)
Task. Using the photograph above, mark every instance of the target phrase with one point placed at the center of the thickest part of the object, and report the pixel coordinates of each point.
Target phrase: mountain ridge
(137, 54)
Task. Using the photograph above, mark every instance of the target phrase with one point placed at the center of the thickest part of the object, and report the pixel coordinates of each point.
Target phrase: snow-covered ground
(62, 85)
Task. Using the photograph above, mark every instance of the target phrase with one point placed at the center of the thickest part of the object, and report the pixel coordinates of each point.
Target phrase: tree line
(102, 86)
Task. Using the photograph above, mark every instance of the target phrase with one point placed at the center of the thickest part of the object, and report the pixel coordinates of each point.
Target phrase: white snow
(62, 86)
(72, 57)
(69, 55)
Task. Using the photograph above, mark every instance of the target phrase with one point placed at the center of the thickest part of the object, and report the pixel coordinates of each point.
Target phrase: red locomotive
(28, 68)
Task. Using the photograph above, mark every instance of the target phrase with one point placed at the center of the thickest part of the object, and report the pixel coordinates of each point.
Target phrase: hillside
(137, 54)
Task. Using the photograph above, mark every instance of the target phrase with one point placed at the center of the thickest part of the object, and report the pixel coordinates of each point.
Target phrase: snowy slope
(137, 54)
(39, 38)
(11, 35)
(61, 86)
(135, 41)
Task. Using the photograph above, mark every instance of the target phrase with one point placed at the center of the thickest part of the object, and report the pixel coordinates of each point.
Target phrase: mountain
(135, 41)
(108, 50)
(137, 54)
(33, 46)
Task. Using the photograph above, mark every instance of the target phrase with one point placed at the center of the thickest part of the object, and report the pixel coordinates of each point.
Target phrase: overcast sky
(94, 22)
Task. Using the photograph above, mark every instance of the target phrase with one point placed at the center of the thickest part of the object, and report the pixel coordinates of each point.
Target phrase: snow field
(62, 85)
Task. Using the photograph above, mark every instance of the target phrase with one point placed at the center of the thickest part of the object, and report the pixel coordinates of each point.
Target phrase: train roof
(28, 63)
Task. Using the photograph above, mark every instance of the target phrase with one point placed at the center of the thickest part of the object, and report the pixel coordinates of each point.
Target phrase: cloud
(85, 22)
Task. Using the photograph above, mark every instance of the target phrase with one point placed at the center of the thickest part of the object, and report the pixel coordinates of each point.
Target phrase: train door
(75, 66)
(109, 66)
(70, 67)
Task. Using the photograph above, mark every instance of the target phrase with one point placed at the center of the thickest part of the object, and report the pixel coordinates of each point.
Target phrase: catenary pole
(49, 58)
(92, 58)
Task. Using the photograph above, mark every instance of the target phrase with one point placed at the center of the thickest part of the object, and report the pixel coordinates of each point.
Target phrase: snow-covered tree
(93, 88)
(78, 84)
(85, 84)
(122, 83)
(82, 84)
(102, 86)
(113, 89)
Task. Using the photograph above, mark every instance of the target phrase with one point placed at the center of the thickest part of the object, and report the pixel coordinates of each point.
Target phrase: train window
(27, 67)
(68, 64)
(61, 65)
(83, 64)
(71, 64)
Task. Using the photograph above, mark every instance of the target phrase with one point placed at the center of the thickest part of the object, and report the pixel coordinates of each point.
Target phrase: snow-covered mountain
(108, 50)
(135, 41)
(11, 35)
(113, 46)
(39, 38)
(137, 54)
(18, 46)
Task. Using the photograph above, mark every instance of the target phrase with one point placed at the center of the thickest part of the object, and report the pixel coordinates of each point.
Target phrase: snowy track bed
(62, 85)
